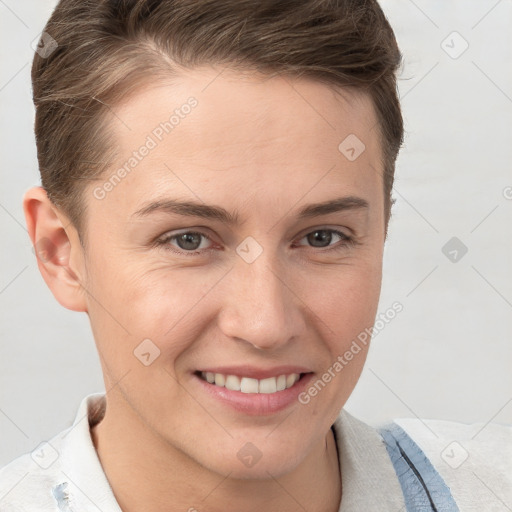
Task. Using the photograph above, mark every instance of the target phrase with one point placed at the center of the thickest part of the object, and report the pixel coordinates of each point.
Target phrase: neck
(146, 473)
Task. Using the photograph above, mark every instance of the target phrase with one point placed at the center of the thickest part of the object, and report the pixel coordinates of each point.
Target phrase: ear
(57, 247)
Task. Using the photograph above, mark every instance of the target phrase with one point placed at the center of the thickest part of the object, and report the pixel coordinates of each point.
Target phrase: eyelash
(347, 241)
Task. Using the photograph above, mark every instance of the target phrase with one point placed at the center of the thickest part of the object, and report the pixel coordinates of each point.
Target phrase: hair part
(108, 49)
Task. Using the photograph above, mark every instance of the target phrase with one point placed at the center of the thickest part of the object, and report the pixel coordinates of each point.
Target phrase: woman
(216, 193)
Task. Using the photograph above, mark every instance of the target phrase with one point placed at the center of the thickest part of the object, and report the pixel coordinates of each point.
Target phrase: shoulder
(26, 483)
(474, 460)
(38, 480)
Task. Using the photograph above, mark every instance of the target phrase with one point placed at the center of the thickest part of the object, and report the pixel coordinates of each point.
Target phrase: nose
(259, 306)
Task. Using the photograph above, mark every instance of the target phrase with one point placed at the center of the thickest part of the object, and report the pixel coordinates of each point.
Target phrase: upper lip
(254, 372)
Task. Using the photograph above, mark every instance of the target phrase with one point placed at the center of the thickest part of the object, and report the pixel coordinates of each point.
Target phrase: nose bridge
(260, 308)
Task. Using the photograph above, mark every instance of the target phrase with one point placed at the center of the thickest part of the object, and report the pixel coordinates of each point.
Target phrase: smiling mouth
(249, 385)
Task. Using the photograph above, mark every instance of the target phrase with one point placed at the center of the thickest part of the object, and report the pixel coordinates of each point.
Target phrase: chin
(255, 461)
(261, 470)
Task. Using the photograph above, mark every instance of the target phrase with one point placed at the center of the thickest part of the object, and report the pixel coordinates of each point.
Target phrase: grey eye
(189, 241)
(320, 238)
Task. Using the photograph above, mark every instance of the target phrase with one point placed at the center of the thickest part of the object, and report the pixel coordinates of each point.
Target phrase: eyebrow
(193, 209)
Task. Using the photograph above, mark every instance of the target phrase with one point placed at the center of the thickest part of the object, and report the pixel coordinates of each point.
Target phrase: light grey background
(447, 355)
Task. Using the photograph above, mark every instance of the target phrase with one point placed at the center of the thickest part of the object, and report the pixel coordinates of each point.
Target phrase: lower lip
(256, 404)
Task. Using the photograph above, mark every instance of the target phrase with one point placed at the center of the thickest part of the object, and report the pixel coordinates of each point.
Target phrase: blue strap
(423, 488)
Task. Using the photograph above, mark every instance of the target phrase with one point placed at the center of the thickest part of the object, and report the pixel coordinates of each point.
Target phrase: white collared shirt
(65, 474)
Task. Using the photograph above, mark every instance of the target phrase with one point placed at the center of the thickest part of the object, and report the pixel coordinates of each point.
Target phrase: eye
(321, 238)
(187, 242)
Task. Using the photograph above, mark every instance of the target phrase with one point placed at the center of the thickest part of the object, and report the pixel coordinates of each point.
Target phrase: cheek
(132, 304)
(346, 306)
(346, 300)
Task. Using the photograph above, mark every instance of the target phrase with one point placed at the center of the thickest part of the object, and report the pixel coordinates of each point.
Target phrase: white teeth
(249, 385)
(291, 380)
(268, 385)
(232, 383)
(220, 380)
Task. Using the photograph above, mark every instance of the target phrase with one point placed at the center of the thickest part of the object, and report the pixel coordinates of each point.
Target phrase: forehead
(251, 108)
(217, 132)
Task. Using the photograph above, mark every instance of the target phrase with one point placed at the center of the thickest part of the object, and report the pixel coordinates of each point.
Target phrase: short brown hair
(108, 48)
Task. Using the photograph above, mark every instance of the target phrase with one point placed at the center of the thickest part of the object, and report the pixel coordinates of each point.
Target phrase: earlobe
(57, 247)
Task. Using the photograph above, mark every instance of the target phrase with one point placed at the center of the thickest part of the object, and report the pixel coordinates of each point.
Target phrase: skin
(263, 148)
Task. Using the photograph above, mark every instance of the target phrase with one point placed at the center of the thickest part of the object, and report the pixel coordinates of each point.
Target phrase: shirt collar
(84, 485)
(369, 480)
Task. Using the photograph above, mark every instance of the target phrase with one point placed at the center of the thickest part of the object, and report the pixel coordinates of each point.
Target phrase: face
(246, 282)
